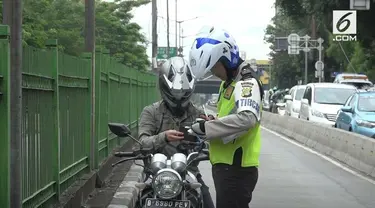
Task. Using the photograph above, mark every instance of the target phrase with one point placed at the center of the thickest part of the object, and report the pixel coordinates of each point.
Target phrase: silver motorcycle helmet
(176, 83)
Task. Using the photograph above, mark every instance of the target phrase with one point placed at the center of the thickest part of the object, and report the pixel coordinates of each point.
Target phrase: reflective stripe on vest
(250, 141)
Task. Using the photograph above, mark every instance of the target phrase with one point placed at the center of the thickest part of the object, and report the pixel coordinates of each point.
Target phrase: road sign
(293, 39)
(319, 74)
(360, 4)
(162, 52)
(293, 50)
(319, 65)
(281, 44)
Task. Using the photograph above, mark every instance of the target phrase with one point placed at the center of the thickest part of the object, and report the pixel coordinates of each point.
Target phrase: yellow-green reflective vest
(250, 141)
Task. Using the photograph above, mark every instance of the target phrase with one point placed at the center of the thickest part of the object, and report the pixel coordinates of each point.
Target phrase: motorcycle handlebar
(125, 154)
(135, 153)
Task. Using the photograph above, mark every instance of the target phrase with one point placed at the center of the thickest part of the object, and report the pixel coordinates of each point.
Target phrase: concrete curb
(126, 194)
(352, 149)
(80, 190)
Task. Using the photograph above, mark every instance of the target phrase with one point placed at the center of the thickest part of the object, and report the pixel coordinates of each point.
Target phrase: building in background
(264, 71)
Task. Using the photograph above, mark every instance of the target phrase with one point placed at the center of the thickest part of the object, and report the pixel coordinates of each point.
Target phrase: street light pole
(154, 34)
(168, 29)
(176, 24)
(179, 32)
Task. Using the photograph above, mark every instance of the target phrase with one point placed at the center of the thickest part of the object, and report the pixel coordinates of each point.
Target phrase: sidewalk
(101, 197)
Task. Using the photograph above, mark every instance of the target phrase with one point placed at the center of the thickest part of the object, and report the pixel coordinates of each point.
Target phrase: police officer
(235, 136)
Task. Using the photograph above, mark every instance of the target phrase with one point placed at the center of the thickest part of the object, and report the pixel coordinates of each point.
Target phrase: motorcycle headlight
(167, 184)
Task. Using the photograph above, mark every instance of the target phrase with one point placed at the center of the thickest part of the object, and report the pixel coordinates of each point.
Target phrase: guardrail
(352, 149)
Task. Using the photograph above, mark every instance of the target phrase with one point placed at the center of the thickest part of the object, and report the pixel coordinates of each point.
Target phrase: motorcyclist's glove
(198, 129)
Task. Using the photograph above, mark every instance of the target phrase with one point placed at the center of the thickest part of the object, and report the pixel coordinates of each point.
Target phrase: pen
(205, 112)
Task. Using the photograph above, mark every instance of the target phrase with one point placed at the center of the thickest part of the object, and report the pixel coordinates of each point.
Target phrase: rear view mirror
(121, 130)
(305, 101)
(347, 109)
(288, 97)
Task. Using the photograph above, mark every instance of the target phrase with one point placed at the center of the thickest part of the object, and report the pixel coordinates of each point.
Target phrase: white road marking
(355, 173)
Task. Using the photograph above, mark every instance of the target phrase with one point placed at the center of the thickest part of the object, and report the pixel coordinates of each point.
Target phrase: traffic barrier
(352, 149)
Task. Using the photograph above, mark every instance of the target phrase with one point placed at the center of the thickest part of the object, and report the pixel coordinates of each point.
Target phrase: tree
(361, 55)
(286, 68)
(65, 19)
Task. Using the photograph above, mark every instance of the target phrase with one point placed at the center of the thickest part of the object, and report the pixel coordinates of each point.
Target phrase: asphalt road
(291, 177)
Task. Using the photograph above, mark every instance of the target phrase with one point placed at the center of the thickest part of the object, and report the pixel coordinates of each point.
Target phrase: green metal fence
(56, 125)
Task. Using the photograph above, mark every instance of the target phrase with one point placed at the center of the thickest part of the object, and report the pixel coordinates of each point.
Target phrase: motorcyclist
(160, 122)
(271, 92)
(235, 135)
(276, 97)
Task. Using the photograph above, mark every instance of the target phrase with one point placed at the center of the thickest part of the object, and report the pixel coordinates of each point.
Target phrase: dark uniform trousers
(234, 184)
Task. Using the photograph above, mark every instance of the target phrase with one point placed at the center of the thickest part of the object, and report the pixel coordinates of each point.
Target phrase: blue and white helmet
(211, 45)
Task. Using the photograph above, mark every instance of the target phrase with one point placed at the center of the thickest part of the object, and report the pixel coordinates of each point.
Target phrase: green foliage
(65, 20)
(286, 70)
(296, 16)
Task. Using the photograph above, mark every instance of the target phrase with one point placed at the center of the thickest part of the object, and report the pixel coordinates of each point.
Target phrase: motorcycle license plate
(156, 203)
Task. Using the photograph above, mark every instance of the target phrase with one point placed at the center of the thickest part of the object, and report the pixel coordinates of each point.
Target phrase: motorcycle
(281, 108)
(167, 182)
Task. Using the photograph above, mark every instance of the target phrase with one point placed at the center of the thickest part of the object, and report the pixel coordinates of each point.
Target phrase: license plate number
(156, 203)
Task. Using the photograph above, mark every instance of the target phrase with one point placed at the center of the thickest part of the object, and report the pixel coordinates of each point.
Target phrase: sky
(245, 20)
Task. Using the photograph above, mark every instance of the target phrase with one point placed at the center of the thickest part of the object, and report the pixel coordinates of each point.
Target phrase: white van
(322, 101)
(360, 81)
(293, 100)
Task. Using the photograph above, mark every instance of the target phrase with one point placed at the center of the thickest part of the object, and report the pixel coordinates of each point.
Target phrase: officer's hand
(207, 118)
(173, 135)
(198, 129)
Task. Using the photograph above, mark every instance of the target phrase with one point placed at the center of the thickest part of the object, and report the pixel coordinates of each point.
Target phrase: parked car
(266, 103)
(293, 100)
(322, 101)
(358, 114)
(360, 81)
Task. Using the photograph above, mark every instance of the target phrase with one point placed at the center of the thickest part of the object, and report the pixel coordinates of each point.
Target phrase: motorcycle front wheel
(146, 193)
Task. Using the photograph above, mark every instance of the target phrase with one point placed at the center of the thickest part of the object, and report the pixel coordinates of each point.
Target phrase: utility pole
(179, 32)
(90, 47)
(168, 28)
(306, 39)
(7, 12)
(15, 23)
(154, 34)
(176, 25)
